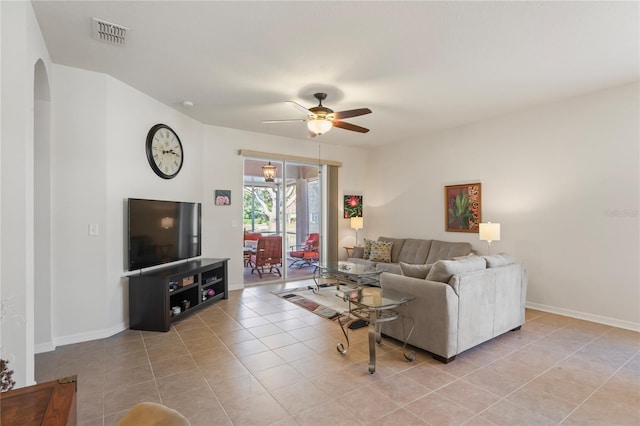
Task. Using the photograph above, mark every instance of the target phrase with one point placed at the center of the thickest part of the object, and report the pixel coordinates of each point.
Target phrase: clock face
(164, 151)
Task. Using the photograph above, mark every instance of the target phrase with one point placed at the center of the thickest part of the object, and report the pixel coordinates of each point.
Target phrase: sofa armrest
(434, 312)
(491, 303)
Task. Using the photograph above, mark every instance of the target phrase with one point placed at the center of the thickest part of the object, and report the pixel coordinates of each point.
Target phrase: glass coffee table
(374, 305)
(347, 273)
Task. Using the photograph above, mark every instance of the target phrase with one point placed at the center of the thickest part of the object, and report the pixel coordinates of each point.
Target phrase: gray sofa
(413, 251)
(458, 303)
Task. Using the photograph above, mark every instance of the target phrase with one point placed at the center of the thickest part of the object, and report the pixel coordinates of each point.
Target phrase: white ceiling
(420, 66)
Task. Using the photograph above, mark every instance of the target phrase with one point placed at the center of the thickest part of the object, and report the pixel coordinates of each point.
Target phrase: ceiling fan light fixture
(269, 172)
(319, 125)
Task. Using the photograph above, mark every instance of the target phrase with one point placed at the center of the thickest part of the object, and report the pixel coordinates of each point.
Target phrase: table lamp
(489, 232)
(357, 223)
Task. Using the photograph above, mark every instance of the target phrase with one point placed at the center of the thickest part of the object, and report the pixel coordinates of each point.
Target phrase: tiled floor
(257, 359)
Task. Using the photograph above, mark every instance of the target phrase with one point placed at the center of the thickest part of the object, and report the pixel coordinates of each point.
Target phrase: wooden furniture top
(51, 403)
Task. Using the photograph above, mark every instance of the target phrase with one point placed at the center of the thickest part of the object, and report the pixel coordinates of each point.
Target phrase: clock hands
(171, 151)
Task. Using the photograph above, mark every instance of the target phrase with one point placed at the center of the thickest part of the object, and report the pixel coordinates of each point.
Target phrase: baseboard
(40, 348)
(614, 322)
(79, 338)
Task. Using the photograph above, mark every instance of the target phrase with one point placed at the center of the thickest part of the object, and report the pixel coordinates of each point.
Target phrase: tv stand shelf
(152, 300)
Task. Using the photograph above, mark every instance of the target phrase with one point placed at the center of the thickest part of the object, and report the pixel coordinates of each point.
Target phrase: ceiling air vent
(108, 32)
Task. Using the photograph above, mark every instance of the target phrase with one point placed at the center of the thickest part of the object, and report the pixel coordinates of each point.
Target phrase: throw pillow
(381, 251)
(358, 252)
(443, 270)
(367, 248)
(415, 271)
(496, 260)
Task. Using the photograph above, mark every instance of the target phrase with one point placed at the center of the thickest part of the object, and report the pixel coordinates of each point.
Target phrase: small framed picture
(222, 197)
(352, 206)
(463, 207)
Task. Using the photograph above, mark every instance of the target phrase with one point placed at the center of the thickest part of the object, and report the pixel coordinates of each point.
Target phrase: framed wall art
(222, 197)
(352, 206)
(462, 207)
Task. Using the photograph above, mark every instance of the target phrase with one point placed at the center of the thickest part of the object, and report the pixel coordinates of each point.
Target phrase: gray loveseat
(413, 251)
(458, 303)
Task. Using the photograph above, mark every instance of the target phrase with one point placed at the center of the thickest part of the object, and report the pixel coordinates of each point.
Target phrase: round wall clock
(164, 151)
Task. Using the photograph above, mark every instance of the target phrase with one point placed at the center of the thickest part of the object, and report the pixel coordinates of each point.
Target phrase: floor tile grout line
(540, 374)
(537, 376)
(153, 371)
(590, 335)
(600, 386)
(251, 373)
(200, 370)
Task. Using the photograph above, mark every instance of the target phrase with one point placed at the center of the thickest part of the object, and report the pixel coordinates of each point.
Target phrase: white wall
(555, 177)
(100, 160)
(22, 46)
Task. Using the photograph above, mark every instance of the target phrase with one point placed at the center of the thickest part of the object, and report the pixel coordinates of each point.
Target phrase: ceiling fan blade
(349, 126)
(300, 107)
(294, 120)
(351, 113)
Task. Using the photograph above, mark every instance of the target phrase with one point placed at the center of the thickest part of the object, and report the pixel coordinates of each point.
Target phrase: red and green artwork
(352, 206)
(462, 207)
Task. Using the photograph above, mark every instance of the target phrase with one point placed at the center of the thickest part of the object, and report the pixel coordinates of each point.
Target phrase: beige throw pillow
(381, 251)
(443, 270)
(415, 271)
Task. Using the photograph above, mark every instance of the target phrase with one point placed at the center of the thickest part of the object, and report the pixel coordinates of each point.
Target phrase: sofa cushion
(442, 250)
(497, 260)
(415, 271)
(443, 270)
(381, 251)
(414, 251)
(358, 252)
(393, 268)
(395, 249)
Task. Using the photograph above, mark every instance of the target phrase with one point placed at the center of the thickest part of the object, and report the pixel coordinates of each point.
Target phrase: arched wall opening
(43, 339)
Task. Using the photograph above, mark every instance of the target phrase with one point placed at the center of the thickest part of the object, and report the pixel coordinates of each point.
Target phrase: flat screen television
(162, 232)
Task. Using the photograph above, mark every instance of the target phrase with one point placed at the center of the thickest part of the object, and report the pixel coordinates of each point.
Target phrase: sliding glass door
(289, 207)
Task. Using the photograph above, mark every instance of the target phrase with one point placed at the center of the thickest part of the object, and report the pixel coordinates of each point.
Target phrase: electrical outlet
(94, 229)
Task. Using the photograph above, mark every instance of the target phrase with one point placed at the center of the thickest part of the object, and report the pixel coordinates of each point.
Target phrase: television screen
(162, 232)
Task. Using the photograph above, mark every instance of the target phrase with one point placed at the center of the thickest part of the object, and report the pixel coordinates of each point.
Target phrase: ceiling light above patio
(269, 172)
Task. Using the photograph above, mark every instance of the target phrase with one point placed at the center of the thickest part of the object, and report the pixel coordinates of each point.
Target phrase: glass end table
(374, 305)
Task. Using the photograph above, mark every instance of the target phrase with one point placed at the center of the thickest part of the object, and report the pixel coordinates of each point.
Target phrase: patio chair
(306, 254)
(249, 244)
(268, 253)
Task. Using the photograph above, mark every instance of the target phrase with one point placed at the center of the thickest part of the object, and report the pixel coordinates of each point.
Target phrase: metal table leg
(374, 338)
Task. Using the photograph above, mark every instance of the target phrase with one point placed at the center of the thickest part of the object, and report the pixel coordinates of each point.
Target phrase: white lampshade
(357, 222)
(490, 231)
(319, 126)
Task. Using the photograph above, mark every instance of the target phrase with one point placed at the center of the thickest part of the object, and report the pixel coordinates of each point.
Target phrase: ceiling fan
(321, 119)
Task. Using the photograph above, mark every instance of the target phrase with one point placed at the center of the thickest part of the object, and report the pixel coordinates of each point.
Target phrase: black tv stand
(190, 286)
